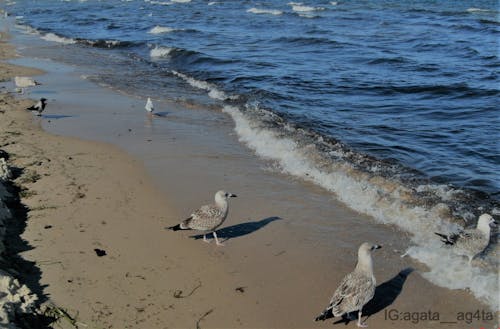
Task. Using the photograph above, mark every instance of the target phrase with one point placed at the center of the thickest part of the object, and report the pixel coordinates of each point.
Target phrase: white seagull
(356, 289)
(149, 106)
(38, 107)
(23, 82)
(470, 242)
(208, 218)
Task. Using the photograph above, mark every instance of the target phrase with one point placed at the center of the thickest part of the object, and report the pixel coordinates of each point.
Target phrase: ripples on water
(412, 82)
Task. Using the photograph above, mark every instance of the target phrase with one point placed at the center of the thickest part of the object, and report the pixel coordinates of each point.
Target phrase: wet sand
(288, 243)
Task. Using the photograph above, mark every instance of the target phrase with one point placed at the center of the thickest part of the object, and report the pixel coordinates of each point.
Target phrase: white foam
(160, 29)
(445, 192)
(213, 91)
(212, 3)
(300, 8)
(334, 3)
(181, 1)
(265, 11)
(479, 10)
(162, 3)
(158, 52)
(382, 199)
(453, 272)
(56, 38)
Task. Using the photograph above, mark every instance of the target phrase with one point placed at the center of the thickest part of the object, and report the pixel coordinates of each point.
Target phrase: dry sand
(84, 195)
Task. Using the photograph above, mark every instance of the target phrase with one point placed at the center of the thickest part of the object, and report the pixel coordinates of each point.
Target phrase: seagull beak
(494, 223)
(232, 195)
(376, 247)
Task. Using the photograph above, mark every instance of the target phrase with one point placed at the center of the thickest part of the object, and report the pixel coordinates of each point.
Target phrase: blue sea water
(411, 83)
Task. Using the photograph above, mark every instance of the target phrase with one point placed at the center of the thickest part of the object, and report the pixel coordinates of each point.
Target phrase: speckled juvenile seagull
(356, 289)
(208, 218)
(470, 242)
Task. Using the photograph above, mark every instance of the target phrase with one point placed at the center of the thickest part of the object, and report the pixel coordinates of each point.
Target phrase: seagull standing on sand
(38, 107)
(208, 218)
(356, 289)
(470, 242)
(149, 106)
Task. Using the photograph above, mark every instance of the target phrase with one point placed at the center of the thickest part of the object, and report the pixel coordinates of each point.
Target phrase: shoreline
(59, 185)
(131, 200)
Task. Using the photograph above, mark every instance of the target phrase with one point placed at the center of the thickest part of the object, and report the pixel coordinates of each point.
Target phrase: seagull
(23, 82)
(356, 289)
(208, 217)
(470, 242)
(38, 107)
(149, 106)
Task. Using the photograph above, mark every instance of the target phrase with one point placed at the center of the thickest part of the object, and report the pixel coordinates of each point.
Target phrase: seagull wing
(471, 242)
(206, 218)
(355, 290)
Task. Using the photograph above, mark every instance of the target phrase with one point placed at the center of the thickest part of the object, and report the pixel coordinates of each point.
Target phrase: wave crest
(213, 91)
(160, 52)
(57, 38)
(265, 11)
(160, 29)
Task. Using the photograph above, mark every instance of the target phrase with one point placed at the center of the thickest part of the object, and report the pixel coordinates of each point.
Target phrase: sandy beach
(114, 187)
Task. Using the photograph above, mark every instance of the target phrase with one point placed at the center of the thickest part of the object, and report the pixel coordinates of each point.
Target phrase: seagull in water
(38, 107)
(149, 106)
(356, 289)
(208, 218)
(470, 242)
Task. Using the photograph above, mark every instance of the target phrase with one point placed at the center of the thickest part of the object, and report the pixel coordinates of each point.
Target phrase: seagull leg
(205, 238)
(361, 324)
(217, 240)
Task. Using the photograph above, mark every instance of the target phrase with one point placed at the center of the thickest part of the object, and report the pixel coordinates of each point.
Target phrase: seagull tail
(182, 226)
(175, 227)
(31, 108)
(326, 314)
(445, 238)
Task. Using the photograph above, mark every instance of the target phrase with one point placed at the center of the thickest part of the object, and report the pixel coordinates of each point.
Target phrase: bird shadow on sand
(385, 294)
(238, 230)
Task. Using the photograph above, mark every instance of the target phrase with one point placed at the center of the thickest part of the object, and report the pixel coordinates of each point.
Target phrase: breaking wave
(213, 91)
(386, 191)
(56, 38)
(160, 52)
